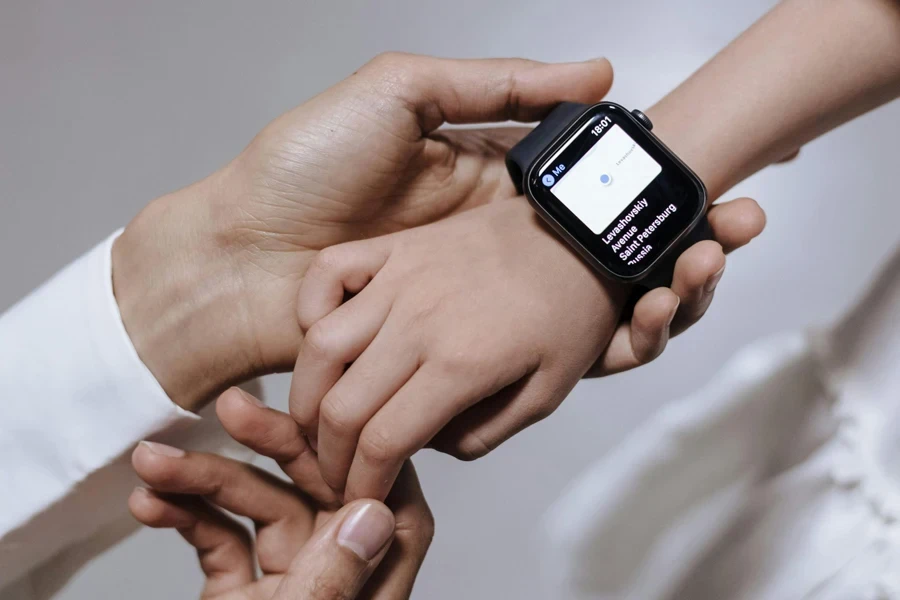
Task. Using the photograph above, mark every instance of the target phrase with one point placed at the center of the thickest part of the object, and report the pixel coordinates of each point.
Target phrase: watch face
(617, 191)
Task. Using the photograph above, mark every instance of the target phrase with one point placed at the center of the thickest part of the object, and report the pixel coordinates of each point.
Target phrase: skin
(523, 347)
(207, 278)
(770, 70)
(430, 351)
(297, 541)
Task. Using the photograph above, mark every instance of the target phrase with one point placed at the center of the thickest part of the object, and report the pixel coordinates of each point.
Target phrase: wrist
(181, 298)
(703, 149)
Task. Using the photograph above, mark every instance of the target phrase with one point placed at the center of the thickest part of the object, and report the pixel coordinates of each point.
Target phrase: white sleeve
(74, 396)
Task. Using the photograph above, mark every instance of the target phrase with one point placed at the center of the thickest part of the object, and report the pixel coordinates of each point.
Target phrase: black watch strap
(520, 157)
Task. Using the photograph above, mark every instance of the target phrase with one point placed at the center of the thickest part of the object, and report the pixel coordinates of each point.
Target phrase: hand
(207, 278)
(484, 321)
(305, 552)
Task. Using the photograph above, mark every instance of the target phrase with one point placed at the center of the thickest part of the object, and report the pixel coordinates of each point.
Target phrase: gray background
(105, 105)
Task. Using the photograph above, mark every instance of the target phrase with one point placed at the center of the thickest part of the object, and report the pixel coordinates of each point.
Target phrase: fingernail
(163, 450)
(674, 311)
(713, 281)
(367, 530)
(251, 398)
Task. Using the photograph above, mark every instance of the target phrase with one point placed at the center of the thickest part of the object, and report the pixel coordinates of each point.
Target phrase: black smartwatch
(612, 190)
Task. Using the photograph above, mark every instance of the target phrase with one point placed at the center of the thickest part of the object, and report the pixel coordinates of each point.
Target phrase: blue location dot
(605, 179)
(548, 180)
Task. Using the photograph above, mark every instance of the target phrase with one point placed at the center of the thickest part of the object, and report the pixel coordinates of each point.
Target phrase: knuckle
(419, 532)
(426, 529)
(646, 354)
(252, 432)
(273, 444)
(320, 341)
(511, 89)
(377, 447)
(324, 587)
(392, 69)
(697, 311)
(337, 415)
(464, 359)
(542, 411)
(243, 539)
(300, 413)
(421, 307)
(454, 364)
(470, 447)
(327, 260)
(387, 60)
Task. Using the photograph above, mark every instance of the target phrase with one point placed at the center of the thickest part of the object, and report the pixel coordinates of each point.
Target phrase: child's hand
(483, 308)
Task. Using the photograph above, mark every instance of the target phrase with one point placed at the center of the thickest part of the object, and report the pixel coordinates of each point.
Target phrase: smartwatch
(626, 203)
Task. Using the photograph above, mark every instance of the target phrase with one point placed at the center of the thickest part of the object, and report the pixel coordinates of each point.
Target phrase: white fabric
(74, 400)
(776, 481)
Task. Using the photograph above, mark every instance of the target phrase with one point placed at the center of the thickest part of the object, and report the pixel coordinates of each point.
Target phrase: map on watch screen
(606, 180)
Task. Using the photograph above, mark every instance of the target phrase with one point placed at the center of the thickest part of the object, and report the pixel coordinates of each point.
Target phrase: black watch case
(662, 199)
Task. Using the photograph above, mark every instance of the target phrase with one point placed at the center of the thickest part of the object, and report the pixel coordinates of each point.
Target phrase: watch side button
(643, 119)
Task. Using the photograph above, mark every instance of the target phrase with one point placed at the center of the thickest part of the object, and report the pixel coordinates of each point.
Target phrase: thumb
(481, 90)
(339, 558)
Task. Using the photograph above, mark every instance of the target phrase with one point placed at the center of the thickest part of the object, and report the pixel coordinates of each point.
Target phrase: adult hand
(305, 550)
(207, 278)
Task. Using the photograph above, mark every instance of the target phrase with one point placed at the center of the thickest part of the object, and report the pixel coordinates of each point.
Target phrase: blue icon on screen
(548, 180)
(605, 179)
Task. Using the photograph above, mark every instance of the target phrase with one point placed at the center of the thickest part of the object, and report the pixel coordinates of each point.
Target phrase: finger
(697, 273)
(401, 427)
(235, 486)
(275, 434)
(415, 524)
(486, 425)
(736, 223)
(336, 271)
(474, 91)
(413, 533)
(330, 345)
(224, 547)
(340, 557)
(280, 513)
(642, 339)
(356, 398)
(790, 156)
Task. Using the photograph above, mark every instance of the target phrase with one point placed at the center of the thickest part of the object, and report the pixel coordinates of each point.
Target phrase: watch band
(521, 156)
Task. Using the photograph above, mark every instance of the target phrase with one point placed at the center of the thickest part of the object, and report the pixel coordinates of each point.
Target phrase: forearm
(805, 68)
(75, 397)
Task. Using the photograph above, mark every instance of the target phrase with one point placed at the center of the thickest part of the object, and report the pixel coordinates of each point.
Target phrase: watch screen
(617, 190)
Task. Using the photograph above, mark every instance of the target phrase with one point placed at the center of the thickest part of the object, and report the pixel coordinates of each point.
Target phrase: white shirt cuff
(74, 394)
